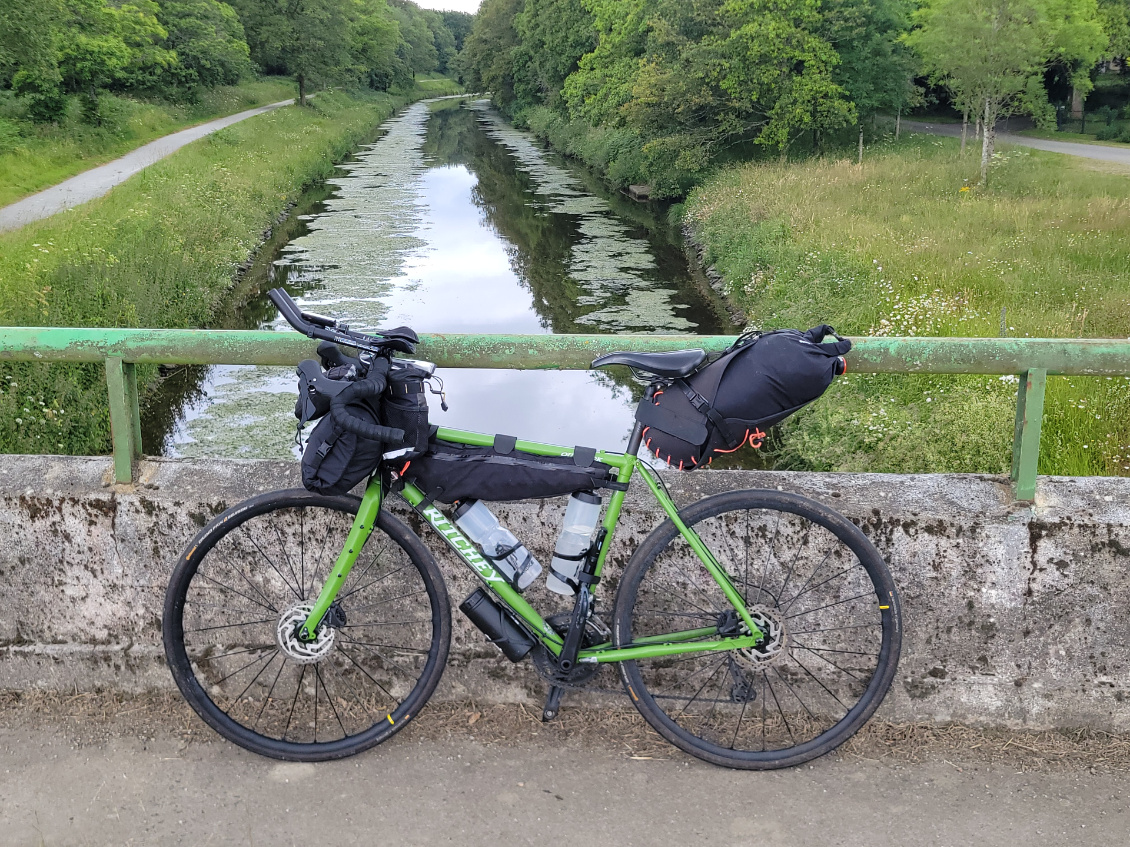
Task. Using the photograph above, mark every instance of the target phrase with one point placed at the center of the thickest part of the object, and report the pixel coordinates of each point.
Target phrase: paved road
(98, 181)
(1120, 155)
(153, 787)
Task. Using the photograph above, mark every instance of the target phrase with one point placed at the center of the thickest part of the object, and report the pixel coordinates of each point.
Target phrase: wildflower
(964, 188)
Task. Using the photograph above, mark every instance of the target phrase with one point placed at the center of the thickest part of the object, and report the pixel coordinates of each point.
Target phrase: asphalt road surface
(162, 778)
(1121, 155)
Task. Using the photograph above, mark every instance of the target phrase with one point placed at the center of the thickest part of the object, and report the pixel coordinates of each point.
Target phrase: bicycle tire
(254, 567)
(788, 548)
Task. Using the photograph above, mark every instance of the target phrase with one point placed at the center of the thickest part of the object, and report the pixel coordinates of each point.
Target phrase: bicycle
(754, 629)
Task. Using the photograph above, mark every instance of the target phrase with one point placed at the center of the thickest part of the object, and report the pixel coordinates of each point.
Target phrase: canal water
(452, 221)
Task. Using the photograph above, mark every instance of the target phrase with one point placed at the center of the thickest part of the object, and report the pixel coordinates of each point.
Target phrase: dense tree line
(672, 86)
(53, 49)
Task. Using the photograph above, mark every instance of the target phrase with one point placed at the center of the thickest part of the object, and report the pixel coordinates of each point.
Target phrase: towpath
(95, 182)
(122, 774)
(1120, 155)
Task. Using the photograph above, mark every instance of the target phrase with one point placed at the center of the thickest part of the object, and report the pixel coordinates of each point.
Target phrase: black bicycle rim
(804, 568)
(248, 576)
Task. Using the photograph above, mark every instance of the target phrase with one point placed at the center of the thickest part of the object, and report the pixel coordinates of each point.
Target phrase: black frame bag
(759, 381)
(454, 472)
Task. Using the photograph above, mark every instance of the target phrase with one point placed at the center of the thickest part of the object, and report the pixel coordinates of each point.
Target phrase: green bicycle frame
(668, 644)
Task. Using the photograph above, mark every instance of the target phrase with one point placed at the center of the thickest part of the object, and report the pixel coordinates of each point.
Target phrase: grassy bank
(907, 244)
(34, 156)
(158, 251)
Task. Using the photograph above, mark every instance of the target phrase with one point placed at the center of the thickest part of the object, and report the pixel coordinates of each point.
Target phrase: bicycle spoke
(274, 567)
(234, 653)
(830, 662)
(253, 680)
(238, 670)
(684, 709)
(256, 692)
(294, 702)
(229, 625)
(390, 600)
(368, 567)
(330, 701)
(290, 565)
(270, 691)
(371, 679)
(831, 605)
(815, 571)
(379, 656)
(373, 582)
(266, 604)
(801, 665)
(768, 552)
(821, 584)
(780, 711)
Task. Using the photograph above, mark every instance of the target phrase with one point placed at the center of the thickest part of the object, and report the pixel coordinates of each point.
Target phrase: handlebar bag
(335, 460)
(452, 472)
(759, 381)
(405, 406)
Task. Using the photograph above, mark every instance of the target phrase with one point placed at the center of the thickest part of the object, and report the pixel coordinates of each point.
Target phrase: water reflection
(454, 222)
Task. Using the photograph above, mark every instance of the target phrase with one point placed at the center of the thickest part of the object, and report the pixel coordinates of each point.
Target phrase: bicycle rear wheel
(813, 583)
(245, 584)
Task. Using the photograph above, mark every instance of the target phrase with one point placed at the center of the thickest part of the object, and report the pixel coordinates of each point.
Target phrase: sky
(471, 6)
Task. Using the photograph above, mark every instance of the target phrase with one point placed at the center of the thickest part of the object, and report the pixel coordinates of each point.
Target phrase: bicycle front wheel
(816, 587)
(247, 582)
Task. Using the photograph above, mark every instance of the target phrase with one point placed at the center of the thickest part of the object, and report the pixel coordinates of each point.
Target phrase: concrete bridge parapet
(1015, 614)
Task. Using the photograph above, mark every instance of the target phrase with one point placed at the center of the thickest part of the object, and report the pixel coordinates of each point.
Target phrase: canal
(451, 221)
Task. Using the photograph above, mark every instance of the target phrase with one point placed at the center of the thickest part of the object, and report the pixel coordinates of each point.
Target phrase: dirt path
(98, 181)
(93, 770)
(1120, 155)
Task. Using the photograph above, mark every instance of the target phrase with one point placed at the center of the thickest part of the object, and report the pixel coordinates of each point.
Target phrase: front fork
(358, 534)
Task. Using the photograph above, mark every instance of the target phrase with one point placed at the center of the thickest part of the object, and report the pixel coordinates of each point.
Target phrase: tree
(1115, 18)
(104, 47)
(459, 25)
(486, 58)
(994, 52)
(208, 39)
(29, 61)
(694, 79)
(553, 36)
(875, 68)
(374, 37)
(418, 44)
(306, 38)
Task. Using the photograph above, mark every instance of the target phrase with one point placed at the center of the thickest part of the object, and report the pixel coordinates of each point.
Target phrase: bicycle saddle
(671, 364)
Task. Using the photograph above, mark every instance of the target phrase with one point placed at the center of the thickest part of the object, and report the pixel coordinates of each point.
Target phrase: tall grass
(160, 250)
(908, 244)
(33, 157)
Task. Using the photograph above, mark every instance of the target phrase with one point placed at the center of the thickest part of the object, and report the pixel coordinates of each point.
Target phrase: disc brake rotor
(302, 652)
(771, 648)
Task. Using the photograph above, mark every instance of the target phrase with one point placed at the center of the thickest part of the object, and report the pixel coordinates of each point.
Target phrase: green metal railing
(1032, 359)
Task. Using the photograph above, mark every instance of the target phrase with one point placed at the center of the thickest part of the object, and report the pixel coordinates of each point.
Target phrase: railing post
(1026, 438)
(125, 419)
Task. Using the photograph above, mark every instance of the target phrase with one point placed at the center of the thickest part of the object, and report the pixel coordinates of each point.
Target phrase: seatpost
(637, 431)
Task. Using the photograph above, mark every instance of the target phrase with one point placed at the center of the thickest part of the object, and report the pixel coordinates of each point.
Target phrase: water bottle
(576, 535)
(518, 566)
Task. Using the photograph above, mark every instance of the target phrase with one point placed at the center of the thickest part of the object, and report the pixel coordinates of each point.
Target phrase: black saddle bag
(453, 472)
(759, 381)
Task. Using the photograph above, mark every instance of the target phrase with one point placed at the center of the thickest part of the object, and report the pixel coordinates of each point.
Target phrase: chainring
(546, 664)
